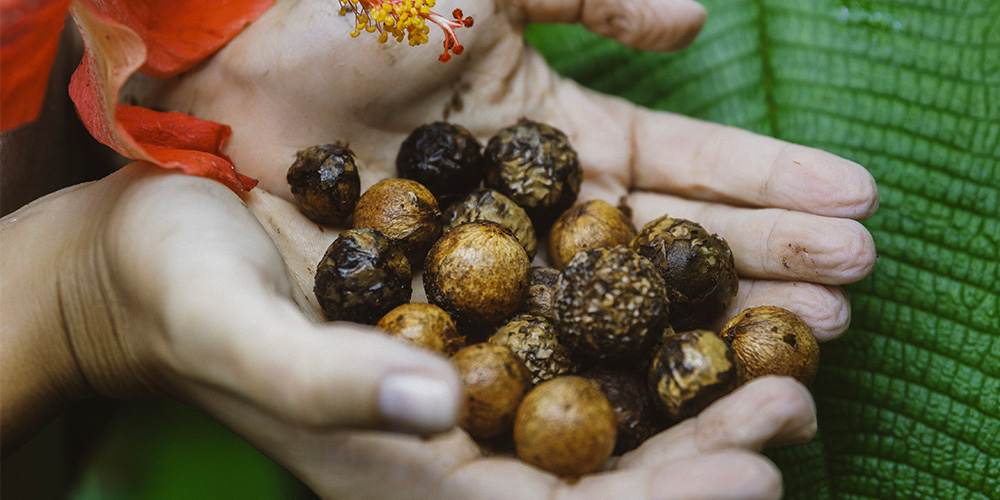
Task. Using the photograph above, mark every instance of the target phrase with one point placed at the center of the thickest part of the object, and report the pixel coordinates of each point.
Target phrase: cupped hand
(296, 78)
(204, 311)
(713, 456)
(183, 293)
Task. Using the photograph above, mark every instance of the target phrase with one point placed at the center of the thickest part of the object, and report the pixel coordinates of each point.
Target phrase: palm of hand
(295, 78)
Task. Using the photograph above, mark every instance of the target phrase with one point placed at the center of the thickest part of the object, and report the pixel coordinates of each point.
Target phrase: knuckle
(788, 399)
(856, 255)
(824, 308)
(761, 477)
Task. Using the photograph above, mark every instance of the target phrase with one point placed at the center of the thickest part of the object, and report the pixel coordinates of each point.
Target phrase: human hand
(173, 288)
(296, 78)
(713, 456)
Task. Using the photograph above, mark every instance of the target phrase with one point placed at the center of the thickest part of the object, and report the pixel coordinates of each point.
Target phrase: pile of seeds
(602, 344)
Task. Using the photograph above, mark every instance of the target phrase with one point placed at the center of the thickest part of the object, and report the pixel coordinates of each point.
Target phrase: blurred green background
(908, 400)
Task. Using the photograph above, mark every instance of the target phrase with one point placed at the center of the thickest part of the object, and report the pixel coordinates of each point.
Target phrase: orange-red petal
(113, 52)
(29, 38)
(180, 33)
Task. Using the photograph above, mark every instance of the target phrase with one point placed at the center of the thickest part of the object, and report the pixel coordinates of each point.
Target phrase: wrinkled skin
(209, 305)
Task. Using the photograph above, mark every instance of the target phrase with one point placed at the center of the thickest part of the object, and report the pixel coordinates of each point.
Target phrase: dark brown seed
(697, 267)
(325, 183)
(690, 371)
(610, 305)
(541, 284)
(444, 157)
(362, 276)
(636, 414)
(534, 165)
(534, 340)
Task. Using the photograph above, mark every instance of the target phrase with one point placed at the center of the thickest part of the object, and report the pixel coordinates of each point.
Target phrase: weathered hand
(714, 456)
(296, 78)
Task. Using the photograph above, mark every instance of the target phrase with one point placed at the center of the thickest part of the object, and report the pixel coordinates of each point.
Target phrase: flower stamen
(406, 19)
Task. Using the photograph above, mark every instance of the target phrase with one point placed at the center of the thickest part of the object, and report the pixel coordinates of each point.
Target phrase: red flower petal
(29, 37)
(180, 33)
(113, 52)
(177, 140)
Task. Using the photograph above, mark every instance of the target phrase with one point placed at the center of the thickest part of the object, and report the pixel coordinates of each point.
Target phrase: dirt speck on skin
(797, 256)
(457, 102)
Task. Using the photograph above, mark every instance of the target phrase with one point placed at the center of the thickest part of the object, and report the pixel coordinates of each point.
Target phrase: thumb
(322, 376)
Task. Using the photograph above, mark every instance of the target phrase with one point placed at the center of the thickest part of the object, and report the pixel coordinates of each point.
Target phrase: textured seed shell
(697, 267)
(565, 426)
(490, 205)
(592, 224)
(534, 164)
(403, 210)
(541, 286)
(494, 382)
(325, 184)
(425, 325)
(635, 411)
(610, 304)
(444, 157)
(478, 272)
(534, 340)
(362, 276)
(690, 371)
(770, 340)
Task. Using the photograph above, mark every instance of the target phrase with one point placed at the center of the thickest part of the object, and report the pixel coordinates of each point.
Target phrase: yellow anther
(355, 33)
(384, 37)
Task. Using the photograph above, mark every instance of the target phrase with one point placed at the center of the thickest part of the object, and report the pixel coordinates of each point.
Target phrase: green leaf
(909, 399)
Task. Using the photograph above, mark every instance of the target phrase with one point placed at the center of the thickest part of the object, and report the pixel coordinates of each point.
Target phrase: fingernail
(418, 403)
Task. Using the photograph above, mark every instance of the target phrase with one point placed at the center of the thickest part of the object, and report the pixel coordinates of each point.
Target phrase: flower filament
(405, 19)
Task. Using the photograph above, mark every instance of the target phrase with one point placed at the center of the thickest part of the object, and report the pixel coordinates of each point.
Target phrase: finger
(775, 243)
(826, 309)
(642, 24)
(694, 158)
(338, 375)
(209, 281)
(768, 411)
(678, 155)
(748, 476)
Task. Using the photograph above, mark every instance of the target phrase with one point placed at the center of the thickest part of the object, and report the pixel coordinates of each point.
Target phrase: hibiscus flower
(162, 39)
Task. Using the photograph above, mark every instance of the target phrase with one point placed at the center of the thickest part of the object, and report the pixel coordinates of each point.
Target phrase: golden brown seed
(403, 210)
(769, 340)
(478, 272)
(494, 382)
(565, 426)
(487, 204)
(690, 371)
(425, 325)
(593, 224)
